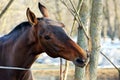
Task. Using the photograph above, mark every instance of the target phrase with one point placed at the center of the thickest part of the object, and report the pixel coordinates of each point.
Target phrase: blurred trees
(116, 20)
(110, 23)
(107, 17)
(16, 13)
(111, 20)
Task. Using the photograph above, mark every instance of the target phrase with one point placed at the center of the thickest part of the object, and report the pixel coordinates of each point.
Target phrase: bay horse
(21, 47)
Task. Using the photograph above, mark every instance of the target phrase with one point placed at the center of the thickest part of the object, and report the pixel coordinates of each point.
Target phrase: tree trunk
(82, 41)
(110, 27)
(119, 31)
(104, 23)
(95, 33)
(116, 20)
(80, 72)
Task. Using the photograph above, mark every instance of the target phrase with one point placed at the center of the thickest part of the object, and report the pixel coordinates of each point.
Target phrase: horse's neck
(26, 51)
(21, 53)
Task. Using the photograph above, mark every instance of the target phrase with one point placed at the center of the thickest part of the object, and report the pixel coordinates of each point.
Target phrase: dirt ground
(53, 74)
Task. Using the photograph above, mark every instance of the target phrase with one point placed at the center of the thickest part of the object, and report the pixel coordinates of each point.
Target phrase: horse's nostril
(80, 61)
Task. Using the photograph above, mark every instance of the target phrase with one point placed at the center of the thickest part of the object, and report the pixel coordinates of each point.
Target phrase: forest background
(16, 13)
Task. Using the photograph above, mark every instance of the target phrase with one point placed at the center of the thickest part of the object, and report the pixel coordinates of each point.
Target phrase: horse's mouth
(79, 65)
(80, 62)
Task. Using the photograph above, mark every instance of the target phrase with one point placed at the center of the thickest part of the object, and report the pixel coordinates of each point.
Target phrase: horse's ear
(43, 10)
(31, 17)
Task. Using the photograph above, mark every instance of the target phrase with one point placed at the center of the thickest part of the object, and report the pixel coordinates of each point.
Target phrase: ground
(51, 72)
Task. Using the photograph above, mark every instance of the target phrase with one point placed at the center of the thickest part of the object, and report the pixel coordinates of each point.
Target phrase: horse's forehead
(51, 22)
(55, 28)
(59, 33)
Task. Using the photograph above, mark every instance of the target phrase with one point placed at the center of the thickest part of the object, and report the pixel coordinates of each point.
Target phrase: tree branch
(6, 8)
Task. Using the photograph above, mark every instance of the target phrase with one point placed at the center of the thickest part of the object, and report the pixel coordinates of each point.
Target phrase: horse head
(53, 40)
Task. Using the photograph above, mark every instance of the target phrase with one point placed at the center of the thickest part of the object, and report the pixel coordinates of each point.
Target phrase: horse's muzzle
(81, 62)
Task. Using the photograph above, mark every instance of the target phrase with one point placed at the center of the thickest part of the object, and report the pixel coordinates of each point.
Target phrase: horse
(22, 46)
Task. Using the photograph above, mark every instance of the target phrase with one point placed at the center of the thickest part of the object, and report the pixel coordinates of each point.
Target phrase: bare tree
(105, 27)
(116, 19)
(107, 17)
(95, 33)
(82, 40)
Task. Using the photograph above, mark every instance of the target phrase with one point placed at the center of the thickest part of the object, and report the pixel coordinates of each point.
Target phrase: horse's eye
(47, 37)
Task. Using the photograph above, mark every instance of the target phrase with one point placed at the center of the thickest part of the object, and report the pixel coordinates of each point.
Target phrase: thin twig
(71, 11)
(110, 61)
(71, 31)
(78, 10)
(76, 15)
(66, 70)
(79, 5)
(61, 71)
(79, 20)
(6, 8)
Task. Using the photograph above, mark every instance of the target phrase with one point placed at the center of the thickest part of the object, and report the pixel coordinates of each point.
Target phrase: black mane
(16, 32)
(21, 26)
